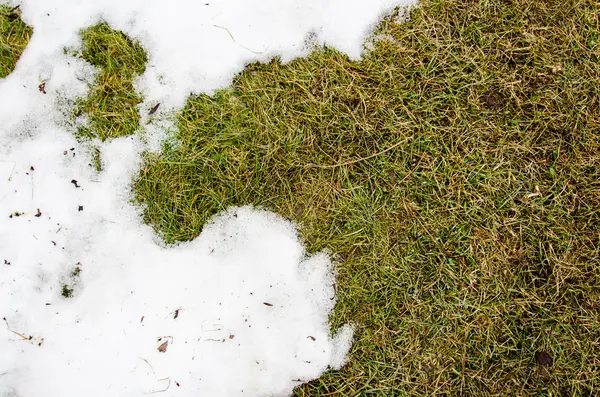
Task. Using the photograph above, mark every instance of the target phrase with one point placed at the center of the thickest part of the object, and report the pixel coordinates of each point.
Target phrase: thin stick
(15, 332)
(155, 378)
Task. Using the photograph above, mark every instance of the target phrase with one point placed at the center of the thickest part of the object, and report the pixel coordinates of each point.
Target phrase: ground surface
(14, 36)
(454, 171)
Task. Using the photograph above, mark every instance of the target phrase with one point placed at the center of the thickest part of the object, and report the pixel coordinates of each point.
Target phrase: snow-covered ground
(241, 310)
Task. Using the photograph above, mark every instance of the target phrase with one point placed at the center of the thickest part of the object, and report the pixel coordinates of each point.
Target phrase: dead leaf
(163, 347)
(154, 109)
(42, 88)
(267, 304)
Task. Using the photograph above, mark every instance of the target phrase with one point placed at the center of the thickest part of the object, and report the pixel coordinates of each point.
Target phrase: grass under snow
(454, 171)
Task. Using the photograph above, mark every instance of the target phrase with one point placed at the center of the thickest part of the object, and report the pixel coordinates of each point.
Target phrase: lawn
(453, 172)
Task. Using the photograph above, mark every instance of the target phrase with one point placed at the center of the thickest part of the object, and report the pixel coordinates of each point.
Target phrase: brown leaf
(154, 109)
(543, 358)
(267, 304)
(163, 347)
(42, 88)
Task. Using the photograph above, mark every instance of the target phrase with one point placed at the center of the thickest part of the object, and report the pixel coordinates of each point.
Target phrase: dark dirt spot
(491, 101)
(74, 182)
(39, 213)
(80, 208)
(543, 358)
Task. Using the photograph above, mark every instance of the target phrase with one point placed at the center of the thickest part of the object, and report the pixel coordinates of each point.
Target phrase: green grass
(112, 104)
(455, 171)
(14, 36)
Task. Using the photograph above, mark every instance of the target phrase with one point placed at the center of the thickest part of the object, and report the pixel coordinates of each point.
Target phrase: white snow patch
(239, 311)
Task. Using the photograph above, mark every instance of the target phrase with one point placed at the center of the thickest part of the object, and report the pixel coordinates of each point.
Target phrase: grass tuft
(112, 104)
(455, 171)
(14, 36)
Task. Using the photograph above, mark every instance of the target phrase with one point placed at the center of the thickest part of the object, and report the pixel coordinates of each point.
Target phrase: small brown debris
(231, 336)
(6, 262)
(267, 304)
(31, 168)
(142, 320)
(299, 210)
(74, 182)
(543, 358)
(311, 338)
(163, 347)
(154, 109)
(176, 314)
(491, 101)
(39, 213)
(80, 208)
(42, 88)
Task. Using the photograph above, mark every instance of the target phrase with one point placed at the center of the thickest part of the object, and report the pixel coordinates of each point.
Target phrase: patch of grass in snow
(112, 104)
(66, 291)
(456, 173)
(14, 36)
